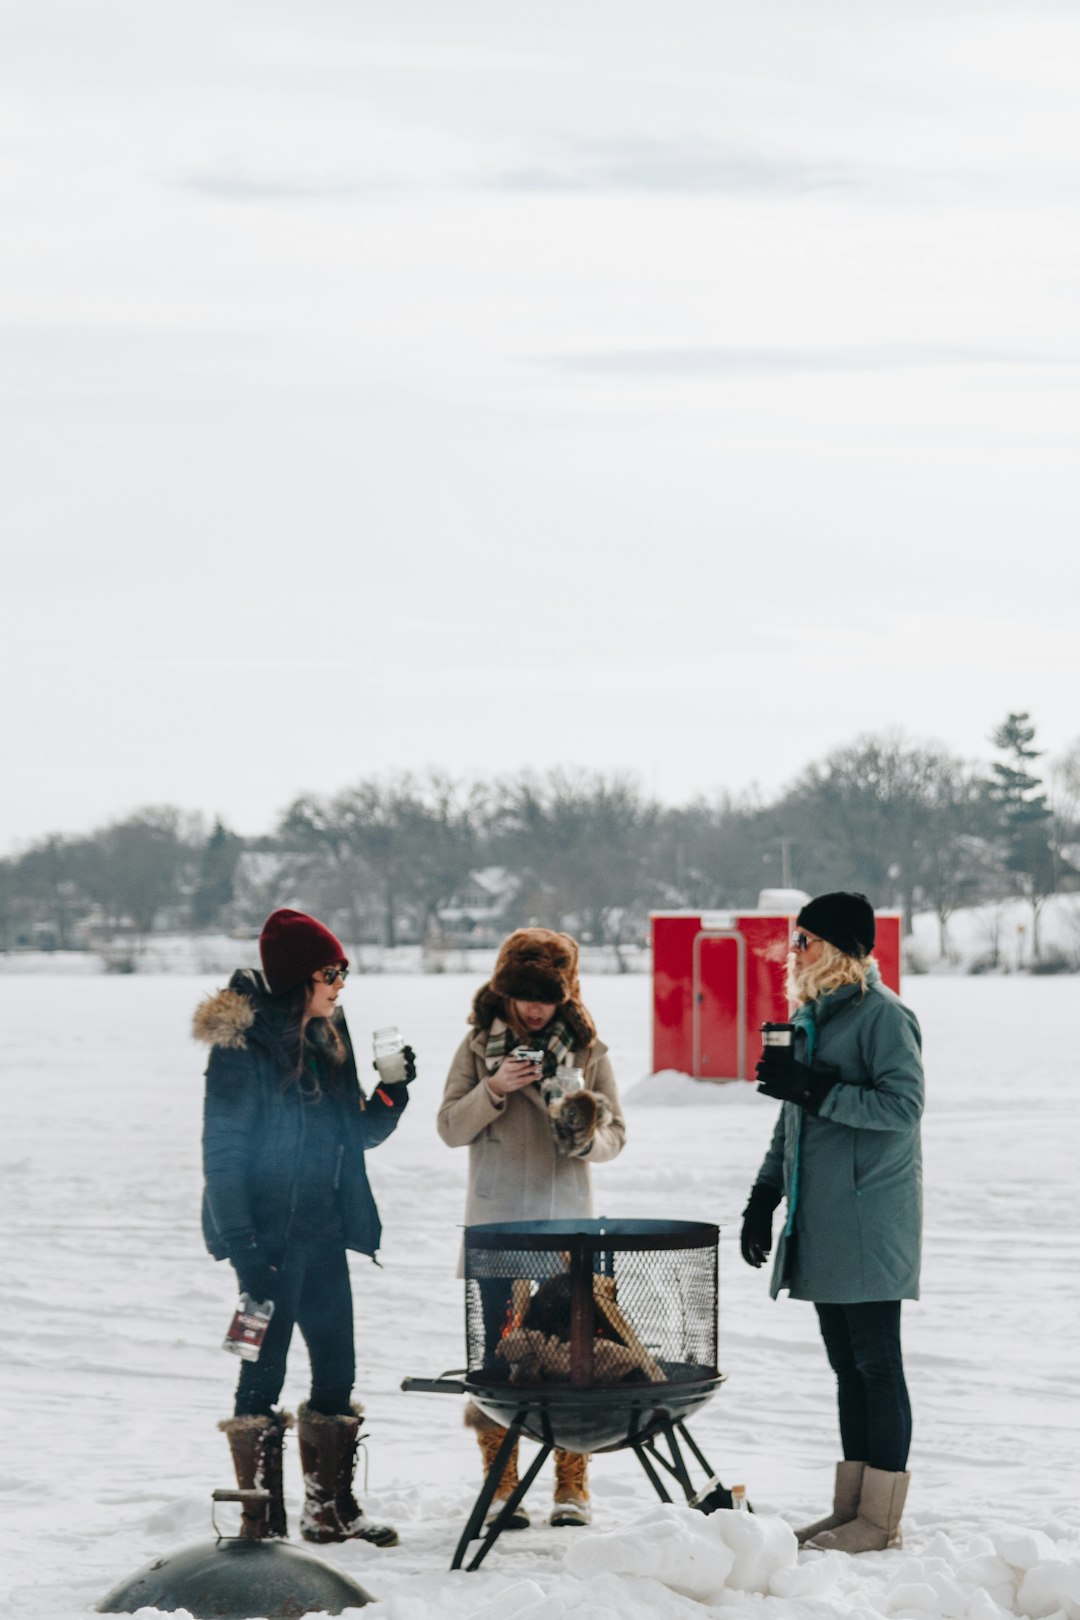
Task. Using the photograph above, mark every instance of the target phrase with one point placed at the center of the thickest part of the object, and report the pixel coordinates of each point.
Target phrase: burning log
(538, 1344)
(532, 1355)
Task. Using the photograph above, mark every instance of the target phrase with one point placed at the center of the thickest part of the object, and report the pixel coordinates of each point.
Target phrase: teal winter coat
(852, 1175)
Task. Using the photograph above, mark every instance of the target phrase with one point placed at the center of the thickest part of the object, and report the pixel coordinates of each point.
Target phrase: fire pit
(600, 1323)
(590, 1335)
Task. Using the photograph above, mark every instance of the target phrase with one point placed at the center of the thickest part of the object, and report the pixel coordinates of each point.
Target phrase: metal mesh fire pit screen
(590, 1304)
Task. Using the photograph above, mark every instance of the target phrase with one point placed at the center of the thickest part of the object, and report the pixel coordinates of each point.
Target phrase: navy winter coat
(254, 1125)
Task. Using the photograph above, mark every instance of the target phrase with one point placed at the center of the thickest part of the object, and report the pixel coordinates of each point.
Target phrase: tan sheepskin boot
(845, 1501)
(328, 1457)
(876, 1526)
(571, 1489)
(489, 1437)
(256, 1444)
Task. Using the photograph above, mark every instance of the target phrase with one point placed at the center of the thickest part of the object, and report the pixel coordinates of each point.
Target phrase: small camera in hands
(528, 1054)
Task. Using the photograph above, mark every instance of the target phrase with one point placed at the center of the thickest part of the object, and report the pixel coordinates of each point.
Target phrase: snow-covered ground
(113, 1379)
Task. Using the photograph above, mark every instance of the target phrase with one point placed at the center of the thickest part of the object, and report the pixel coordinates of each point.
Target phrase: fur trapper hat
(535, 964)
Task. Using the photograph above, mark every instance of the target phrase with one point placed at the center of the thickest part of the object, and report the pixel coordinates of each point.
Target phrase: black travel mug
(778, 1043)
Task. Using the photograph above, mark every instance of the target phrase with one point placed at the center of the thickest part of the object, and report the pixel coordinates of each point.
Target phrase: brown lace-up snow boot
(256, 1444)
(845, 1501)
(489, 1437)
(571, 1489)
(328, 1457)
(876, 1526)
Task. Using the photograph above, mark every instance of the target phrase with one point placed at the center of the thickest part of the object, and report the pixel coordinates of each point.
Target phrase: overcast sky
(686, 388)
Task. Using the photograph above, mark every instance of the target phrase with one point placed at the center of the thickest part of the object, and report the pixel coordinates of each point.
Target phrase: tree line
(390, 858)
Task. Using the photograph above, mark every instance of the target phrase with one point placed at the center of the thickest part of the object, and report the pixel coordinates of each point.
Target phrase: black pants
(863, 1345)
(311, 1292)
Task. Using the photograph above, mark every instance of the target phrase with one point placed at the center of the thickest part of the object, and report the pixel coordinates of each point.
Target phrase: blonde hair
(833, 969)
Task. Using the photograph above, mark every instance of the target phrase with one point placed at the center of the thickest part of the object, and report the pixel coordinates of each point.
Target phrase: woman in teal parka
(846, 1157)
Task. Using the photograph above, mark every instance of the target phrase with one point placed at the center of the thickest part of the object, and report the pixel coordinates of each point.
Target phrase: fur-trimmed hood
(245, 1008)
(223, 1019)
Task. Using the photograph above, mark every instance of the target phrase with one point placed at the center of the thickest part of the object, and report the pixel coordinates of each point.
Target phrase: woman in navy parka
(286, 1125)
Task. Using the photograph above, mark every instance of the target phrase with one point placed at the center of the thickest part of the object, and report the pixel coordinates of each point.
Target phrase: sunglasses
(332, 975)
(802, 942)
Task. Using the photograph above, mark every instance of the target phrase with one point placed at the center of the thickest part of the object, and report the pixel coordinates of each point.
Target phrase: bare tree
(409, 841)
(887, 815)
(582, 842)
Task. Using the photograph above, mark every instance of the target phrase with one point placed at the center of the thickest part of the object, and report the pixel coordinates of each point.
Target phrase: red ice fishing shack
(719, 975)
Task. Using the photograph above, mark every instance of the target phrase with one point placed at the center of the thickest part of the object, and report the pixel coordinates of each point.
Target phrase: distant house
(480, 912)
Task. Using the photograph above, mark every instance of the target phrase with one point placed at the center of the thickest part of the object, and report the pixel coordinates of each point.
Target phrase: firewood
(626, 1332)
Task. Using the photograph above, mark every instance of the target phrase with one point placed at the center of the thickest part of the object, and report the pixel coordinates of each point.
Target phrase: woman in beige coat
(525, 1164)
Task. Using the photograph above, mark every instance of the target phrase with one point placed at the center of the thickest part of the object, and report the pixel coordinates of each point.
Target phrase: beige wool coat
(516, 1173)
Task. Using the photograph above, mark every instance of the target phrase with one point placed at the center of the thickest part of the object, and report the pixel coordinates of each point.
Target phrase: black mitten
(794, 1082)
(410, 1068)
(254, 1273)
(755, 1240)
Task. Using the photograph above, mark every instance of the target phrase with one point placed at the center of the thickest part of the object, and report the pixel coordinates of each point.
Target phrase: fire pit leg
(676, 1467)
(654, 1478)
(512, 1502)
(488, 1489)
(487, 1492)
(713, 1493)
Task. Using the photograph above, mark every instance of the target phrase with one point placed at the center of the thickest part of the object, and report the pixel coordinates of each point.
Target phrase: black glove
(794, 1082)
(254, 1273)
(755, 1240)
(410, 1067)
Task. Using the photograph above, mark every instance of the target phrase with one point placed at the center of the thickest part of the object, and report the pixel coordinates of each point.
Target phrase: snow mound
(670, 1089)
(696, 1556)
(604, 1597)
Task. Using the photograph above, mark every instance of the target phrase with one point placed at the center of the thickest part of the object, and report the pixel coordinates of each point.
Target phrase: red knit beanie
(293, 946)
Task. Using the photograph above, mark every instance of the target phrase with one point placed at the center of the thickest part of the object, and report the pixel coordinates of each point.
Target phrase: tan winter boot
(256, 1443)
(490, 1436)
(877, 1524)
(845, 1501)
(571, 1489)
(328, 1457)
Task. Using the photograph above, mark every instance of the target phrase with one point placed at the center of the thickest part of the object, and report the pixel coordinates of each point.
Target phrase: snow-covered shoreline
(994, 938)
(113, 1379)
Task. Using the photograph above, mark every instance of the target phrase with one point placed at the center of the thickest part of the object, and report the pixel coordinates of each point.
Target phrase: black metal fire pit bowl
(602, 1324)
(590, 1335)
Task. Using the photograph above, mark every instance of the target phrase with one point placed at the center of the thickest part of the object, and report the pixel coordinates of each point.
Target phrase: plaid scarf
(558, 1041)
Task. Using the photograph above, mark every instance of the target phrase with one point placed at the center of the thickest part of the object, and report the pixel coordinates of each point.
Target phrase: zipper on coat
(295, 1179)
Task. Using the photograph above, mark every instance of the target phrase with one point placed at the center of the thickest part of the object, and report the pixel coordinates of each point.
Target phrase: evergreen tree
(1023, 816)
(216, 875)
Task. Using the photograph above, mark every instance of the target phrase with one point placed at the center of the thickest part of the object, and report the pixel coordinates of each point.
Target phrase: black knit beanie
(845, 920)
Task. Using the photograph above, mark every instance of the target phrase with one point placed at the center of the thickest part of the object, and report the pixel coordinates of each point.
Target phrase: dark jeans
(311, 1292)
(863, 1345)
